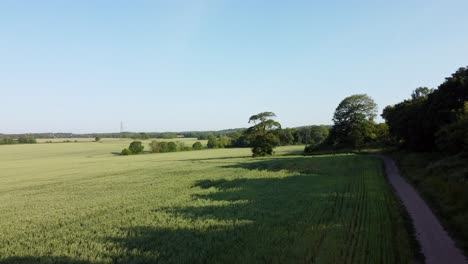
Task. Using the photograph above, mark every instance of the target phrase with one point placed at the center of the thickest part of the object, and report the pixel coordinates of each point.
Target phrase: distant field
(79, 203)
(59, 140)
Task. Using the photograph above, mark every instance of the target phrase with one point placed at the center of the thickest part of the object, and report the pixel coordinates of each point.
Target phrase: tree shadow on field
(44, 259)
(216, 159)
(265, 219)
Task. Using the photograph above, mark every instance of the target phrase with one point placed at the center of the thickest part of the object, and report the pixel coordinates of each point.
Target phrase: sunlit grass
(79, 203)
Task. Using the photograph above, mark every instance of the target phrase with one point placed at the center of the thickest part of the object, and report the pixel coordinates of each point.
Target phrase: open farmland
(79, 203)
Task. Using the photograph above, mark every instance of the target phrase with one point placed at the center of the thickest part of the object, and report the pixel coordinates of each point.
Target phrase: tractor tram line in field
(195, 207)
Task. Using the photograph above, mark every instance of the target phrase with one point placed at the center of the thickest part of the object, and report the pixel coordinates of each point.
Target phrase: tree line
(433, 119)
(137, 147)
(20, 140)
(430, 120)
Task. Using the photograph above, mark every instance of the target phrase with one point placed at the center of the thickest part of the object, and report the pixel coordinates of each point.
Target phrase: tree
(263, 134)
(421, 93)
(136, 147)
(155, 146)
(7, 141)
(182, 147)
(354, 112)
(212, 142)
(26, 140)
(126, 152)
(318, 134)
(197, 146)
(285, 136)
(362, 133)
(163, 147)
(425, 121)
(224, 141)
(171, 146)
(97, 139)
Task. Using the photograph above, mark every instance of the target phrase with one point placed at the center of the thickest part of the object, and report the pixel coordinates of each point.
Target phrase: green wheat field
(81, 203)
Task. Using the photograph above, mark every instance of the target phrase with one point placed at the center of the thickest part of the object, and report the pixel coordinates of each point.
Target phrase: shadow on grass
(245, 220)
(214, 159)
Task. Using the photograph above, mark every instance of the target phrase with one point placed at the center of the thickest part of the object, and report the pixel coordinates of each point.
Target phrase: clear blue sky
(83, 66)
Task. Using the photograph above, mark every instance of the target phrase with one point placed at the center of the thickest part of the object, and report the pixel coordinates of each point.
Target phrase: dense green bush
(453, 138)
(171, 146)
(155, 147)
(221, 142)
(182, 147)
(136, 147)
(7, 141)
(126, 152)
(197, 146)
(263, 145)
(162, 147)
(212, 142)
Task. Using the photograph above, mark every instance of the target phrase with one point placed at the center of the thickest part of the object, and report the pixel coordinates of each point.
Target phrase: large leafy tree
(136, 147)
(263, 134)
(353, 120)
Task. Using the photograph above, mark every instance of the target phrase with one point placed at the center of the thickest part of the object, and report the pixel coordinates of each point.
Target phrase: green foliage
(421, 93)
(353, 123)
(171, 146)
(407, 122)
(126, 152)
(155, 146)
(422, 121)
(167, 135)
(141, 135)
(27, 140)
(318, 134)
(7, 141)
(136, 147)
(212, 142)
(162, 147)
(352, 120)
(312, 135)
(224, 141)
(182, 147)
(97, 139)
(453, 138)
(263, 144)
(197, 146)
(263, 134)
(309, 149)
(221, 142)
(442, 181)
(285, 137)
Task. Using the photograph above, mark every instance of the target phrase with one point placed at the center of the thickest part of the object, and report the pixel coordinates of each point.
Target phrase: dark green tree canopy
(197, 145)
(263, 134)
(421, 93)
(353, 114)
(136, 147)
(354, 109)
(416, 122)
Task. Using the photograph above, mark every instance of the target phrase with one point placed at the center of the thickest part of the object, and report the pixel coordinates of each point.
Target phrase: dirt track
(436, 244)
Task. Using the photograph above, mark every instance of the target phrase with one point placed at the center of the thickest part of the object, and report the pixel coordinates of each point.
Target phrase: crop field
(79, 203)
(74, 140)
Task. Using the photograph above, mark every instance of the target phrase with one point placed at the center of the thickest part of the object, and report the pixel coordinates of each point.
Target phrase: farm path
(436, 244)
